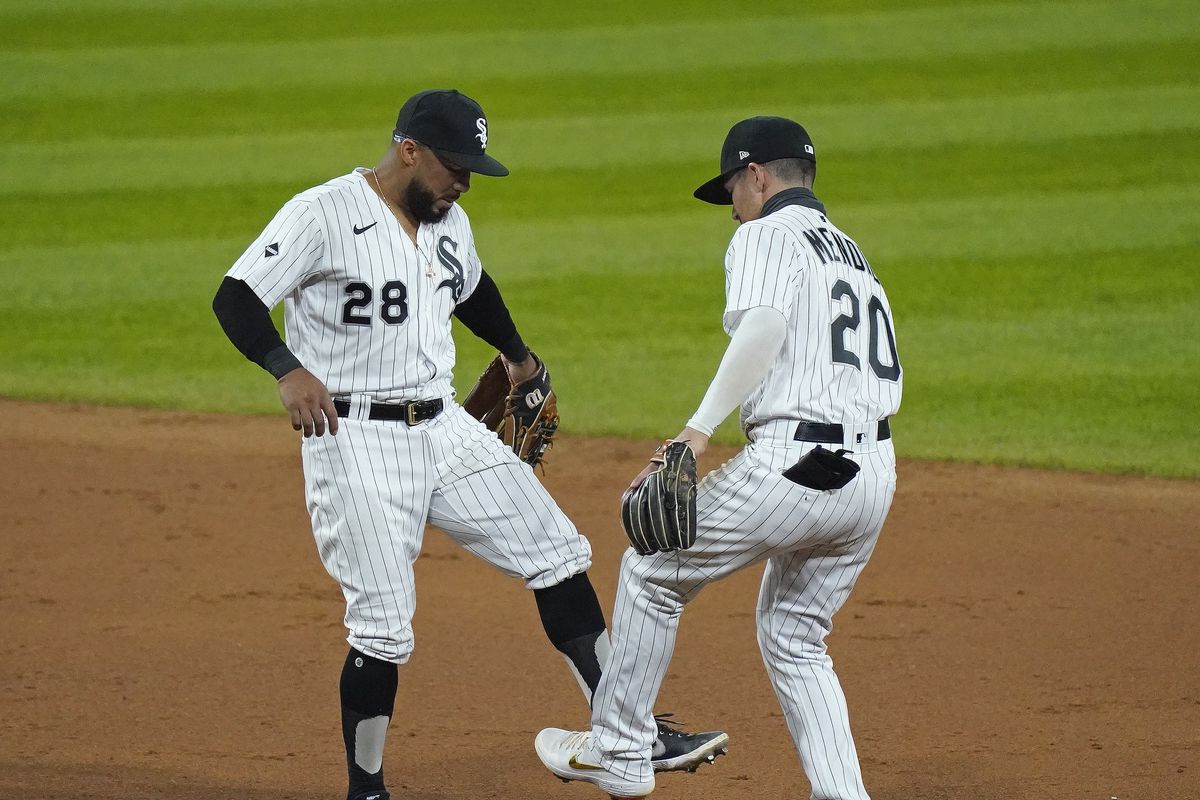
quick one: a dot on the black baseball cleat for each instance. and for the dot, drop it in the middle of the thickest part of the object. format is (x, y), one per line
(678, 750)
(371, 794)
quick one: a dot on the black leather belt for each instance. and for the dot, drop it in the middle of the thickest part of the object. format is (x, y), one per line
(831, 433)
(412, 413)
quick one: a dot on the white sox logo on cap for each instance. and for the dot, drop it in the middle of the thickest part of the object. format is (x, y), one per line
(446, 121)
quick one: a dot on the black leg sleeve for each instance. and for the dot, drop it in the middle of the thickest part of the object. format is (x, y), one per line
(368, 692)
(573, 621)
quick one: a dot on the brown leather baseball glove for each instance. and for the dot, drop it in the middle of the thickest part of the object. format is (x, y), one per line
(524, 415)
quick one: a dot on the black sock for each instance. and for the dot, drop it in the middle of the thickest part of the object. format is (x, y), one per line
(368, 689)
(574, 623)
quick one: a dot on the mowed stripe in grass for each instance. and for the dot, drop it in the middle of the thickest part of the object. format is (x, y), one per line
(1037, 360)
(1042, 226)
(66, 24)
(891, 177)
(611, 49)
(369, 102)
(604, 140)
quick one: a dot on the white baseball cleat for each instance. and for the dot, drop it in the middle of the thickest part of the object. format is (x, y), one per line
(569, 755)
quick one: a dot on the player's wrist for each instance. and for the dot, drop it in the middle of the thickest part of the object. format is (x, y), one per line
(281, 361)
(694, 438)
(522, 370)
(514, 349)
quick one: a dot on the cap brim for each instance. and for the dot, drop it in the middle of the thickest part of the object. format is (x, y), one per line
(714, 191)
(480, 163)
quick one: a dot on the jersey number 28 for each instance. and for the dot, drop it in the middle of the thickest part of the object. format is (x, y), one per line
(393, 311)
(877, 317)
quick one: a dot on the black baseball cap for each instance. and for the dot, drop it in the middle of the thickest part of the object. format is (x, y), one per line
(757, 139)
(450, 124)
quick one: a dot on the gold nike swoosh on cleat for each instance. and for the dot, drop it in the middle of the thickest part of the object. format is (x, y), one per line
(573, 764)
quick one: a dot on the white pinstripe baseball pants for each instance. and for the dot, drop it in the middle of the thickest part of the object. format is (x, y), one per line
(815, 544)
(371, 489)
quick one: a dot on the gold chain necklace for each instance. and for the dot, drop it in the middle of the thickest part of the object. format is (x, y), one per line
(396, 212)
(382, 193)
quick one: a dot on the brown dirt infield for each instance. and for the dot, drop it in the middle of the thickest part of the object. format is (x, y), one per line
(168, 632)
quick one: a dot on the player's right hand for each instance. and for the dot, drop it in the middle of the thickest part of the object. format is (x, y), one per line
(308, 403)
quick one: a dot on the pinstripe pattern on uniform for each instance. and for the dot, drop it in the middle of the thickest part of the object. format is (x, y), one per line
(320, 256)
(371, 488)
(747, 513)
(815, 543)
(801, 591)
(772, 262)
(492, 504)
(369, 533)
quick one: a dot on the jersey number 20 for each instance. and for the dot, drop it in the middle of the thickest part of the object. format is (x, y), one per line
(877, 317)
(393, 311)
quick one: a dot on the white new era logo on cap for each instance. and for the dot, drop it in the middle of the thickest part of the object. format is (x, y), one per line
(808, 149)
(743, 154)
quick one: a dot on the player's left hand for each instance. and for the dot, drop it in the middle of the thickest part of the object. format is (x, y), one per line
(695, 439)
(515, 399)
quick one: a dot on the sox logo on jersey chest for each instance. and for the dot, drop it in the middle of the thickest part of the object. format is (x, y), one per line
(446, 248)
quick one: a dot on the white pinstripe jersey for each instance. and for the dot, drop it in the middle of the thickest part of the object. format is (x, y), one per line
(366, 310)
(839, 361)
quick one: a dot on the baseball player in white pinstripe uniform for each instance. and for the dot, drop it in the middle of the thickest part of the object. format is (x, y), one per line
(813, 363)
(371, 266)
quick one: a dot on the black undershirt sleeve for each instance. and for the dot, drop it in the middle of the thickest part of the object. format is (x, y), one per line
(486, 316)
(246, 320)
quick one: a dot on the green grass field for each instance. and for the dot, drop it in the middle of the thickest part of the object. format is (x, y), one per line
(1023, 176)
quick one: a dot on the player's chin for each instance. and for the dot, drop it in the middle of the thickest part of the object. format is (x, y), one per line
(435, 213)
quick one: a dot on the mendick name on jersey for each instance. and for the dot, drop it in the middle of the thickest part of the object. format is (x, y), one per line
(834, 246)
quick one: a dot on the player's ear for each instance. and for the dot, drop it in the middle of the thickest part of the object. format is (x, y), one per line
(758, 173)
(408, 152)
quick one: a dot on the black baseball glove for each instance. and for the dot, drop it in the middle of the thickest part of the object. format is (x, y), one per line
(523, 415)
(659, 515)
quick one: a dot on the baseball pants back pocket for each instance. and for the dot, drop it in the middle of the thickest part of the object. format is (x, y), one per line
(823, 470)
